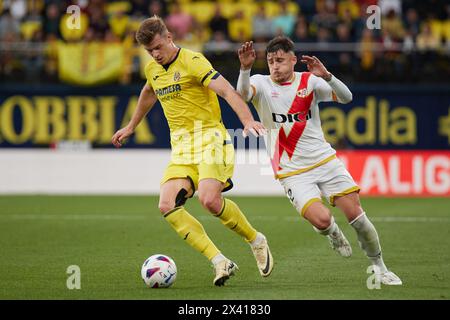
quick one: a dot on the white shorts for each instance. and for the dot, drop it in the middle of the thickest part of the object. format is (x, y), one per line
(329, 180)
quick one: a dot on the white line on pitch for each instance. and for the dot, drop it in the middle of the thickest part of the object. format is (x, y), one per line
(63, 216)
(123, 217)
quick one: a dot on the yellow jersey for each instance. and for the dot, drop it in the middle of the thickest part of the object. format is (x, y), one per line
(181, 88)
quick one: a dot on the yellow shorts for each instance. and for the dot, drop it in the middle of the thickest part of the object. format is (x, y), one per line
(221, 171)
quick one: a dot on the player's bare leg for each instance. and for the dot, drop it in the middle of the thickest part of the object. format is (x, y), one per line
(174, 194)
(169, 192)
(367, 235)
(323, 223)
(210, 195)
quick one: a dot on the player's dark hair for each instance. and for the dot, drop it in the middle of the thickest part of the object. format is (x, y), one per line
(149, 28)
(280, 43)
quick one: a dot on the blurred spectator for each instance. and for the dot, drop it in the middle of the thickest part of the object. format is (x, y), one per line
(51, 20)
(218, 43)
(301, 33)
(98, 23)
(412, 24)
(118, 23)
(426, 40)
(392, 26)
(262, 25)
(240, 27)
(219, 23)
(18, 9)
(9, 27)
(324, 47)
(284, 22)
(34, 61)
(348, 7)
(325, 16)
(345, 59)
(31, 24)
(179, 23)
(343, 33)
(156, 8)
(367, 51)
(387, 6)
(349, 21)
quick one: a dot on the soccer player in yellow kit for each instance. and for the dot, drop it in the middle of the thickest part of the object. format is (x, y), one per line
(202, 159)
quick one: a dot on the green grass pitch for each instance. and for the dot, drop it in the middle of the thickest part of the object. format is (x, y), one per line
(109, 237)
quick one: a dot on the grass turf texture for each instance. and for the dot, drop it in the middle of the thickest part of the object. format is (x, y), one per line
(110, 237)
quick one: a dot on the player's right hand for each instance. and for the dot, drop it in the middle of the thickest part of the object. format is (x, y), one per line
(120, 136)
(254, 127)
(247, 55)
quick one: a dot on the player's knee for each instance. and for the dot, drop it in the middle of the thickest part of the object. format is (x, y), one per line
(323, 221)
(165, 206)
(318, 215)
(211, 203)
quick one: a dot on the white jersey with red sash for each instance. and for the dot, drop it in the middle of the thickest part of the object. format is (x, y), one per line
(290, 111)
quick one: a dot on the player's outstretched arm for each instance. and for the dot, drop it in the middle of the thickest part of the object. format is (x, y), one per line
(333, 84)
(146, 101)
(247, 56)
(224, 89)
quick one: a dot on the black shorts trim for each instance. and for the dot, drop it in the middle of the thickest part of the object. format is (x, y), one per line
(229, 187)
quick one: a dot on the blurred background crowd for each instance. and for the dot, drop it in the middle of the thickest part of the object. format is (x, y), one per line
(412, 44)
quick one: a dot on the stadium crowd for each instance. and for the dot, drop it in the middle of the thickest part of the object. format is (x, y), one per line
(412, 42)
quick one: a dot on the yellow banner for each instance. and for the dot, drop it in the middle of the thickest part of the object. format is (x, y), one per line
(90, 63)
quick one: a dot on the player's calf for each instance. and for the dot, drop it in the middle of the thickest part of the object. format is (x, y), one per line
(323, 223)
(370, 244)
(338, 241)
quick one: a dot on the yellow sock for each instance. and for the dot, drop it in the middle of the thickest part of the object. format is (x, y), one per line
(232, 217)
(191, 230)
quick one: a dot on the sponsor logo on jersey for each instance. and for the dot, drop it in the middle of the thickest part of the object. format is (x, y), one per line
(302, 93)
(290, 118)
(169, 89)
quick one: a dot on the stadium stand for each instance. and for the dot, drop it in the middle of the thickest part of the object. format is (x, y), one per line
(412, 45)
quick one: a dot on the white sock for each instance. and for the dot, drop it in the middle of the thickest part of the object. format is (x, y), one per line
(218, 258)
(259, 237)
(368, 240)
(331, 229)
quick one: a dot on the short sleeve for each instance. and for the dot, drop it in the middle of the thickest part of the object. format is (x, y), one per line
(201, 69)
(147, 73)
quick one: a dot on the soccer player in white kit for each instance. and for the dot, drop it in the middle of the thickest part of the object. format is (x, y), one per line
(305, 164)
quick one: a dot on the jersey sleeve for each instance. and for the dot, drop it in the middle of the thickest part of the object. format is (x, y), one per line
(147, 72)
(201, 69)
(322, 89)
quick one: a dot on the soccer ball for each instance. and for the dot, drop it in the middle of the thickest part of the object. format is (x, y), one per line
(159, 271)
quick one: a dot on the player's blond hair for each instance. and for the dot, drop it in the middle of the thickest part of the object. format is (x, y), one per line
(149, 28)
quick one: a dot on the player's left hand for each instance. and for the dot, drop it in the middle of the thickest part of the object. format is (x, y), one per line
(316, 67)
(120, 136)
(255, 127)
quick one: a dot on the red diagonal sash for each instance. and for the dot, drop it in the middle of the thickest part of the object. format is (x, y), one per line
(300, 106)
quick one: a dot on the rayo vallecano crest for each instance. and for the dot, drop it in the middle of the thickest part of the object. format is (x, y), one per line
(176, 76)
(302, 93)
